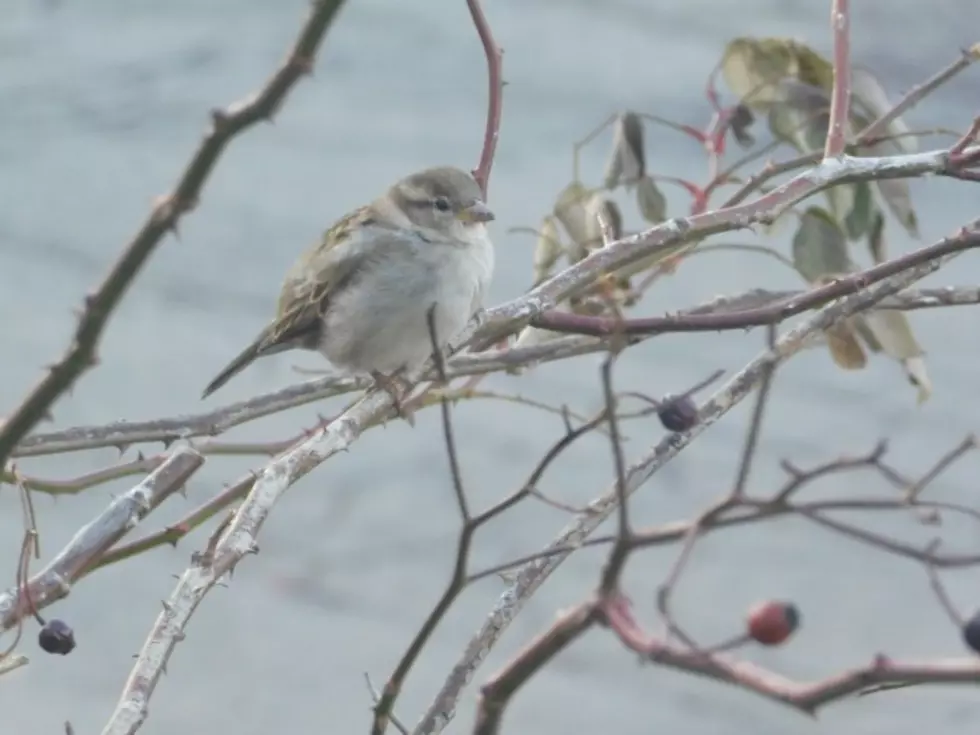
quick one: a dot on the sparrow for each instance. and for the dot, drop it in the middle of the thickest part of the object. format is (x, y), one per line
(362, 295)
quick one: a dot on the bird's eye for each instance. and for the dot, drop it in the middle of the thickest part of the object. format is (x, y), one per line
(442, 204)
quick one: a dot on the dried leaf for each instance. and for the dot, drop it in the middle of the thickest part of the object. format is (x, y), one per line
(740, 122)
(651, 201)
(602, 209)
(627, 162)
(548, 249)
(865, 333)
(819, 246)
(892, 331)
(915, 370)
(845, 349)
(570, 209)
(530, 336)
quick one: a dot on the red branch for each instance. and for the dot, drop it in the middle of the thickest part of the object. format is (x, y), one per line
(840, 100)
(496, 87)
(562, 321)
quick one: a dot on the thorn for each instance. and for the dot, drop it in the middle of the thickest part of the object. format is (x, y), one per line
(121, 447)
(219, 120)
(167, 607)
(179, 636)
(140, 457)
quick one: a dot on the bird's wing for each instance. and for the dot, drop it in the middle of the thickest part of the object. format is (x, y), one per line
(322, 271)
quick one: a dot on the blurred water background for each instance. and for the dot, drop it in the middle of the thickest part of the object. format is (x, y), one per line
(101, 104)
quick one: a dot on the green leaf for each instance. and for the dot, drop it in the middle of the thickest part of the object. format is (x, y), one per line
(896, 193)
(548, 249)
(651, 201)
(800, 116)
(898, 199)
(753, 67)
(871, 102)
(819, 246)
(876, 238)
(860, 217)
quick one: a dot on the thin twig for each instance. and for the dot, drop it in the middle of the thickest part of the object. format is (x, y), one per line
(755, 427)
(621, 549)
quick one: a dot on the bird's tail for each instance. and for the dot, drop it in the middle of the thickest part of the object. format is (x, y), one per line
(258, 348)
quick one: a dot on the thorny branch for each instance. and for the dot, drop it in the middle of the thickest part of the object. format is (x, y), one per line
(883, 286)
(93, 540)
(495, 84)
(99, 305)
(122, 434)
(530, 576)
(612, 609)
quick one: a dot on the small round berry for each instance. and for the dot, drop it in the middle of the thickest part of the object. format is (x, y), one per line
(57, 637)
(771, 623)
(677, 413)
(971, 632)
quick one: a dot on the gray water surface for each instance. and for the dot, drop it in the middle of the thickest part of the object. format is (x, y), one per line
(101, 103)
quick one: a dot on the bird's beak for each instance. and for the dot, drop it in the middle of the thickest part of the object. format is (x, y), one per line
(476, 212)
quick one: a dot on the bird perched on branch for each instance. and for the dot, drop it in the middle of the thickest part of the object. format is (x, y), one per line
(362, 295)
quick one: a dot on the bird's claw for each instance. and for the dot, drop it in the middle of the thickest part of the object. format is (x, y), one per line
(390, 385)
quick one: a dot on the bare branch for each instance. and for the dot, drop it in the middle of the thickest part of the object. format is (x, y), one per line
(529, 577)
(123, 514)
(840, 97)
(99, 305)
(495, 94)
(772, 313)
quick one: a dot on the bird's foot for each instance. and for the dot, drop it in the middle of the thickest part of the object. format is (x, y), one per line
(398, 389)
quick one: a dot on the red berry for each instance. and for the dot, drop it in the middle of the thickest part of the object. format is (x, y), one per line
(771, 623)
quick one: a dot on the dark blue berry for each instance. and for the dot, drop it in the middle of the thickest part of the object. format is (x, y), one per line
(57, 637)
(971, 632)
(677, 413)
